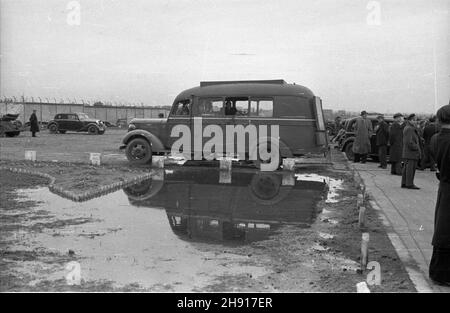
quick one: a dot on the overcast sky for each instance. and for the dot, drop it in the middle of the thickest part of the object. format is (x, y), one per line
(149, 51)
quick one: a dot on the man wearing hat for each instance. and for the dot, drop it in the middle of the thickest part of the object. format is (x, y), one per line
(440, 149)
(411, 152)
(363, 131)
(396, 144)
(382, 138)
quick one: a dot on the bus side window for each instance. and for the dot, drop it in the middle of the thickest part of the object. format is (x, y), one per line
(261, 108)
(210, 107)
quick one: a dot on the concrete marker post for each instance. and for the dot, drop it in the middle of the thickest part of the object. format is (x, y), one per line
(288, 179)
(224, 177)
(362, 217)
(362, 287)
(158, 161)
(360, 200)
(30, 155)
(158, 175)
(95, 159)
(225, 164)
(364, 250)
(288, 164)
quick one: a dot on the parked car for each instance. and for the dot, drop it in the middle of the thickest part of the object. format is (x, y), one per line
(347, 136)
(294, 108)
(109, 124)
(122, 123)
(10, 126)
(78, 122)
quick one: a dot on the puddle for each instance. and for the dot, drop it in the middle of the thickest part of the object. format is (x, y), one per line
(334, 185)
(170, 232)
(325, 236)
(319, 247)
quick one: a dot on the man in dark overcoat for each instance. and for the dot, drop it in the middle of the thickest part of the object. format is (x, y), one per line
(34, 124)
(430, 129)
(440, 149)
(382, 139)
(396, 144)
(411, 152)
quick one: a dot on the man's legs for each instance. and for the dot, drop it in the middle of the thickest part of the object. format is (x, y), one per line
(428, 159)
(425, 159)
(404, 175)
(33, 134)
(382, 152)
(357, 157)
(410, 171)
(364, 158)
(393, 168)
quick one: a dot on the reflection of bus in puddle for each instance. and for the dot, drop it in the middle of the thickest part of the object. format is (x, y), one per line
(247, 208)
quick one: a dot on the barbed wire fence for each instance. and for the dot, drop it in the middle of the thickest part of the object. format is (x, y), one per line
(46, 108)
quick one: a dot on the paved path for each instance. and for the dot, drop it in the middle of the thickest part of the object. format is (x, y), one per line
(409, 216)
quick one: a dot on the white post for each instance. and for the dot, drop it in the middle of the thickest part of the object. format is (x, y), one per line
(362, 287)
(158, 161)
(288, 179)
(30, 155)
(224, 177)
(225, 164)
(158, 174)
(95, 159)
(288, 164)
(360, 200)
(364, 250)
(362, 216)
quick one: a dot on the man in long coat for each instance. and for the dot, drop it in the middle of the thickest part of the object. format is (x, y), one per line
(382, 139)
(411, 152)
(396, 144)
(34, 125)
(440, 148)
(363, 131)
(428, 132)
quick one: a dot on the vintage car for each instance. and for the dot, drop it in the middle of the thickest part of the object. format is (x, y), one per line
(294, 109)
(10, 126)
(347, 136)
(77, 122)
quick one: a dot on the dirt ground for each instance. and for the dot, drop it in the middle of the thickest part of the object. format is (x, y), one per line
(323, 257)
(69, 147)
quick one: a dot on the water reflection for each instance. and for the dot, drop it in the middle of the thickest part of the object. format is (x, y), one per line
(205, 204)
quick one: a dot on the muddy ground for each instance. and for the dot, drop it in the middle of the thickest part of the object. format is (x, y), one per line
(124, 247)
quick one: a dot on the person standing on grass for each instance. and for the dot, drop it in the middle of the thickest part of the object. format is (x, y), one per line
(363, 131)
(428, 132)
(382, 131)
(396, 144)
(34, 125)
(439, 270)
(411, 152)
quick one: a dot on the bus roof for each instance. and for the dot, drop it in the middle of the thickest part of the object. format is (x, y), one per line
(263, 88)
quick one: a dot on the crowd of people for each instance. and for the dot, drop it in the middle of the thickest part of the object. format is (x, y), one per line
(408, 141)
(416, 145)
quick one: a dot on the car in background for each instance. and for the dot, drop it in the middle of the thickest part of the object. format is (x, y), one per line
(10, 126)
(347, 136)
(293, 108)
(76, 122)
(122, 123)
